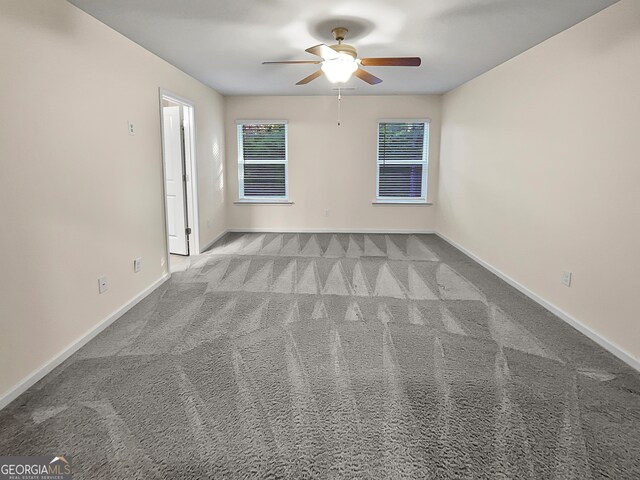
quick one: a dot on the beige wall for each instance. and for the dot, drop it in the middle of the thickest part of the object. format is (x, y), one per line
(540, 167)
(331, 167)
(81, 198)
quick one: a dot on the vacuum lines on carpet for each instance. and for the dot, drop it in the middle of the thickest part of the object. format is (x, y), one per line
(335, 356)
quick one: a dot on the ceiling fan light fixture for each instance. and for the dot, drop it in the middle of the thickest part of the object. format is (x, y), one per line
(340, 61)
(339, 70)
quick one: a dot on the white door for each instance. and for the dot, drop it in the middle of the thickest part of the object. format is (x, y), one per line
(174, 178)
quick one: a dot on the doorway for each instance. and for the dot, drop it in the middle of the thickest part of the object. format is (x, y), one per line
(177, 118)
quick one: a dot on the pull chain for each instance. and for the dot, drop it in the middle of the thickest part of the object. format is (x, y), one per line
(339, 105)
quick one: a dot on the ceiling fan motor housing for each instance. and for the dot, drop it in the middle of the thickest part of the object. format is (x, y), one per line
(346, 49)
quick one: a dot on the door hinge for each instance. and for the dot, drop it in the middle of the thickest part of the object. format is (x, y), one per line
(187, 230)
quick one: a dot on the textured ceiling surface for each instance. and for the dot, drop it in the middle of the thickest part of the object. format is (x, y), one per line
(222, 43)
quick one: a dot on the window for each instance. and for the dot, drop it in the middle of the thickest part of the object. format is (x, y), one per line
(262, 160)
(403, 147)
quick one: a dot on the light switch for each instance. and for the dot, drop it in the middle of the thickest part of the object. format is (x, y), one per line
(103, 284)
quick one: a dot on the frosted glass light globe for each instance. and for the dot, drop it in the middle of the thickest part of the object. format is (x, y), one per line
(339, 70)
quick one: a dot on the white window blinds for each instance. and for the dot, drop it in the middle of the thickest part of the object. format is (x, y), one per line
(402, 160)
(262, 160)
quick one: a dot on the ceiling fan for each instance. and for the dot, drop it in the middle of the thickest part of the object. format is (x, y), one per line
(340, 61)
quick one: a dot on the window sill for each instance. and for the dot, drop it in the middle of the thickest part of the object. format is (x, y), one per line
(263, 202)
(410, 204)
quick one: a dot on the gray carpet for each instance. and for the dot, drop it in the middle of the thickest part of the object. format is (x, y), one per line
(335, 356)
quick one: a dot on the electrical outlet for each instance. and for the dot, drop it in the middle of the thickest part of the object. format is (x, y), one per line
(137, 265)
(326, 212)
(566, 278)
(103, 284)
(132, 128)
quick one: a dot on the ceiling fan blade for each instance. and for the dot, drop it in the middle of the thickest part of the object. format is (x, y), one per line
(323, 51)
(391, 62)
(313, 76)
(294, 62)
(367, 77)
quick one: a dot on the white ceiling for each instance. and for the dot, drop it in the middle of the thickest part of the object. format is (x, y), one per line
(223, 42)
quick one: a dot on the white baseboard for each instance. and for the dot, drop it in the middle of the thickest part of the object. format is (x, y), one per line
(608, 345)
(44, 369)
(329, 230)
(216, 238)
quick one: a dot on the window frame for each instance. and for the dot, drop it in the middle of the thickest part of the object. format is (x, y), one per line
(424, 162)
(242, 198)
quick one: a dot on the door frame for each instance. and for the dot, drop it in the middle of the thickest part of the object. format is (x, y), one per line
(191, 183)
